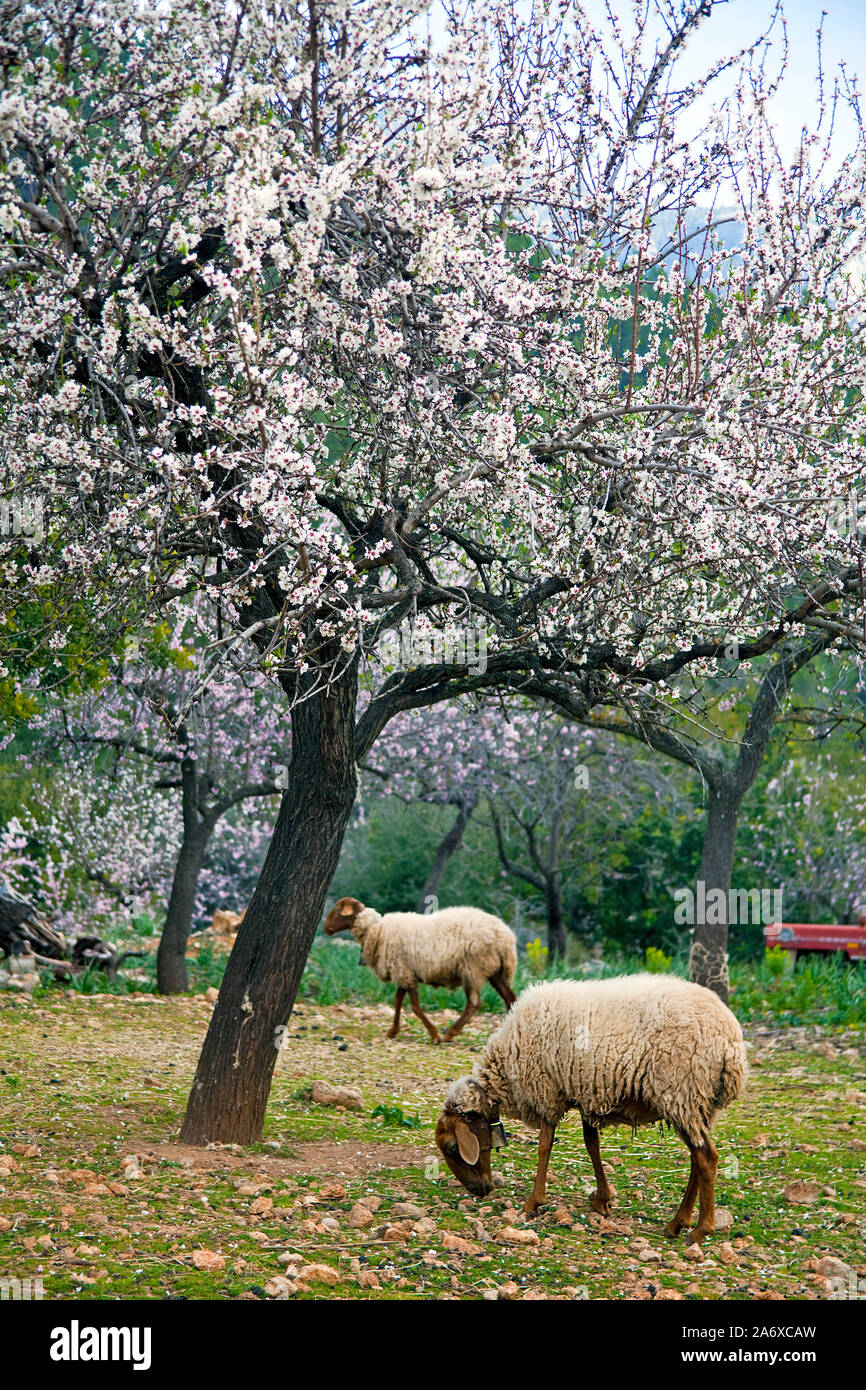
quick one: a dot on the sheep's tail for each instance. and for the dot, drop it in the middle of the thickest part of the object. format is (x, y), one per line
(734, 1073)
(508, 965)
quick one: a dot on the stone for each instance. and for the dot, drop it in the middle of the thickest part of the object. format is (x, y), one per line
(727, 1253)
(518, 1235)
(647, 1254)
(280, 1287)
(802, 1194)
(368, 1279)
(360, 1216)
(324, 1093)
(208, 1260)
(319, 1274)
(509, 1291)
(211, 994)
(724, 1220)
(458, 1246)
(333, 1191)
(408, 1209)
(262, 1206)
(829, 1267)
(693, 1252)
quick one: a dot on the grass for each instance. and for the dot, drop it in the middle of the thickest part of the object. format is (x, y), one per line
(88, 1079)
(821, 989)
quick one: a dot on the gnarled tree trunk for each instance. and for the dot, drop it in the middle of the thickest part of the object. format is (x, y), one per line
(230, 1091)
(708, 957)
(171, 972)
(449, 843)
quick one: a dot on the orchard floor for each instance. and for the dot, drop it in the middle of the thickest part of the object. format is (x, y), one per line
(87, 1081)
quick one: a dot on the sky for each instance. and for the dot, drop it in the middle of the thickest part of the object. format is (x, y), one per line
(736, 24)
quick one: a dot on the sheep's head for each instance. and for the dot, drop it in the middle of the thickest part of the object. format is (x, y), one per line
(463, 1136)
(342, 916)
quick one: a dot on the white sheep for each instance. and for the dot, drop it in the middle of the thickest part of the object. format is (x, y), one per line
(632, 1050)
(455, 946)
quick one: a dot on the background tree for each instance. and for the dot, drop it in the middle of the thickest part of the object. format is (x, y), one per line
(329, 325)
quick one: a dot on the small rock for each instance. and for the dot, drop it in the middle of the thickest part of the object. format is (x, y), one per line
(280, 1287)
(211, 994)
(262, 1206)
(208, 1260)
(26, 1150)
(831, 1268)
(563, 1217)
(727, 1253)
(368, 1279)
(324, 1093)
(514, 1235)
(333, 1191)
(693, 1252)
(724, 1220)
(802, 1194)
(647, 1254)
(490, 1295)
(360, 1216)
(319, 1274)
(458, 1246)
(509, 1291)
(87, 1252)
(408, 1209)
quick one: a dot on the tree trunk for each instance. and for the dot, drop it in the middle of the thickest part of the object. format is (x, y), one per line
(708, 958)
(555, 925)
(233, 1080)
(447, 845)
(171, 974)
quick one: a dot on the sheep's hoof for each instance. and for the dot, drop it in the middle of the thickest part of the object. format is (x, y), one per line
(600, 1204)
(674, 1227)
(435, 1038)
(391, 1033)
(698, 1234)
(531, 1208)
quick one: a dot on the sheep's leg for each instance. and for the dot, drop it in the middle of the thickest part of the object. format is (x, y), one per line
(707, 1161)
(419, 1013)
(503, 989)
(537, 1195)
(683, 1216)
(473, 999)
(600, 1200)
(398, 1004)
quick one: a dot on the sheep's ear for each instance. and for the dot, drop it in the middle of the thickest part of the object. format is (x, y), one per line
(467, 1143)
(347, 910)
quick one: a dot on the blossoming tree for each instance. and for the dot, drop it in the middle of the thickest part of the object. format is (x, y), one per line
(338, 314)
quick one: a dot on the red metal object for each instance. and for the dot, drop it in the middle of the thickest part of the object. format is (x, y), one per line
(819, 936)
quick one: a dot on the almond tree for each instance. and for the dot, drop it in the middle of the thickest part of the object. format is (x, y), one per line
(192, 772)
(331, 315)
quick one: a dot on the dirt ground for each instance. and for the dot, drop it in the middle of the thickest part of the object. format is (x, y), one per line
(99, 1201)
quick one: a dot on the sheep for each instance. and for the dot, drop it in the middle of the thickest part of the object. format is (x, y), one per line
(632, 1050)
(455, 946)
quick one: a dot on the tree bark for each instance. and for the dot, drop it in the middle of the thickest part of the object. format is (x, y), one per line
(555, 925)
(230, 1091)
(171, 972)
(449, 843)
(708, 957)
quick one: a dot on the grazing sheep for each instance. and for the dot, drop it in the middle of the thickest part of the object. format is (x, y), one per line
(456, 946)
(633, 1050)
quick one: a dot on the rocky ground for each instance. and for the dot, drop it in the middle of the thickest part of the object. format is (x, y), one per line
(99, 1201)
